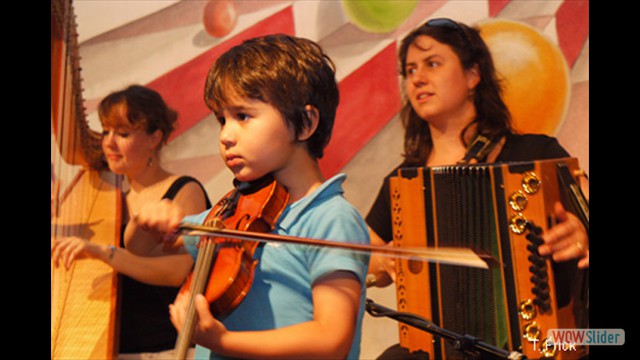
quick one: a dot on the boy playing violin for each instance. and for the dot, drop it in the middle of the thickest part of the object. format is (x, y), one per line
(275, 98)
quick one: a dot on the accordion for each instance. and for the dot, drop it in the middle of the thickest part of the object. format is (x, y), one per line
(500, 210)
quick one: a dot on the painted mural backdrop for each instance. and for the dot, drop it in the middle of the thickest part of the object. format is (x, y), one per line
(541, 48)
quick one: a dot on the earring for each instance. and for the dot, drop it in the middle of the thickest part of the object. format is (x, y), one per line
(150, 162)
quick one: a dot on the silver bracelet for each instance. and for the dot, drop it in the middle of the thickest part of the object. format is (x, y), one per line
(112, 252)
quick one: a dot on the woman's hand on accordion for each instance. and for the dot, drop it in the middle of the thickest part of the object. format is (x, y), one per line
(382, 269)
(566, 240)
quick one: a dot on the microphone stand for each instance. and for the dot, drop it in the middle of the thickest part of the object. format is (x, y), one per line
(465, 343)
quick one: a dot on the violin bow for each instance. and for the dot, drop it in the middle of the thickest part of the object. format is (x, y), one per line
(444, 255)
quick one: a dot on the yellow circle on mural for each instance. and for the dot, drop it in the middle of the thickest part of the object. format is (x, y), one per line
(534, 74)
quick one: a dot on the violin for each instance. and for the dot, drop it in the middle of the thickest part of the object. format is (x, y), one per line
(224, 269)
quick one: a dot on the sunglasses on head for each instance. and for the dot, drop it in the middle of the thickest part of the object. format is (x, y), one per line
(450, 24)
(444, 22)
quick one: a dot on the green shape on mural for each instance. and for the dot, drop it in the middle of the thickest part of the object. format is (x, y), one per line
(378, 16)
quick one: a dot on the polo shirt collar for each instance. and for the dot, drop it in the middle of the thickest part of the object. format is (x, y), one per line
(292, 212)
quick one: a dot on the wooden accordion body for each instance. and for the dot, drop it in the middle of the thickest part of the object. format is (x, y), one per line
(85, 203)
(486, 208)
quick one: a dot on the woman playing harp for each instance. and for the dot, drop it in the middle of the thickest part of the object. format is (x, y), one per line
(136, 123)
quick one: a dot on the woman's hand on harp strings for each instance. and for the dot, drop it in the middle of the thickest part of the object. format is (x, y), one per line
(566, 240)
(69, 249)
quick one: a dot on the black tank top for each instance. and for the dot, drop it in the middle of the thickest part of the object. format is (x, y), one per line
(144, 316)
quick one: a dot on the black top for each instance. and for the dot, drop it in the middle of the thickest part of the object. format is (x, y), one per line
(529, 147)
(144, 316)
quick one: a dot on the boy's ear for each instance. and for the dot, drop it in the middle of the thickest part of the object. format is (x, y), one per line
(313, 115)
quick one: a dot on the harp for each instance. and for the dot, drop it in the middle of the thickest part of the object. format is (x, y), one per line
(499, 209)
(85, 202)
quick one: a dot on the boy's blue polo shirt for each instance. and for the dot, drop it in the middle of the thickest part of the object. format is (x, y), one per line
(281, 293)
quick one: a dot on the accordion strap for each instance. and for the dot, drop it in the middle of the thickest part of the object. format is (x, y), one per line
(479, 149)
